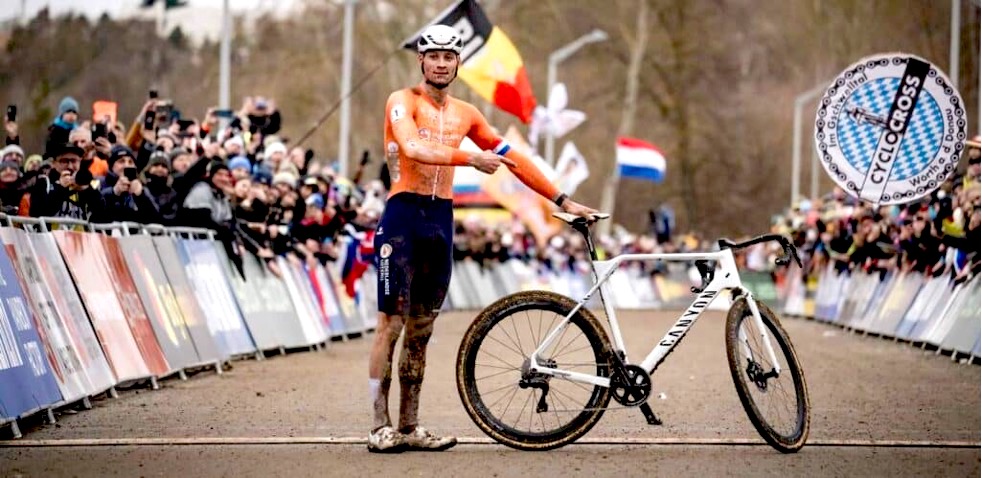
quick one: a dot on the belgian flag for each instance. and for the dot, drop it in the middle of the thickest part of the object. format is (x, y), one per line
(490, 64)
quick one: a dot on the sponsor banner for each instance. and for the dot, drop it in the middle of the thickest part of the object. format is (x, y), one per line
(830, 293)
(309, 323)
(136, 314)
(337, 324)
(318, 321)
(357, 316)
(86, 260)
(890, 129)
(964, 319)
(207, 277)
(194, 317)
(921, 314)
(68, 304)
(368, 312)
(898, 299)
(159, 301)
(276, 298)
(66, 365)
(262, 320)
(25, 372)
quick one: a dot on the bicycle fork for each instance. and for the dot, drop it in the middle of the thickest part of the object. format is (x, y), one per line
(765, 338)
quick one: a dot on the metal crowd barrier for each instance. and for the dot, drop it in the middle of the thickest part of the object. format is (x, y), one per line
(931, 313)
(86, 308)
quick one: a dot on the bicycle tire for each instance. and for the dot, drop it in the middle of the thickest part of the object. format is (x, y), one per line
(789, 443)
(467, 382)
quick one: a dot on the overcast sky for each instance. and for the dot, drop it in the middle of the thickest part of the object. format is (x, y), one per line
(200, 17)
(94, 8)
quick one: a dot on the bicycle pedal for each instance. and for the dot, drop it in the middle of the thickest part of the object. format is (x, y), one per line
(649, 415)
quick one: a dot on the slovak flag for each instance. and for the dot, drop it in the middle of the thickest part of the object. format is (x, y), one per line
(640, 160)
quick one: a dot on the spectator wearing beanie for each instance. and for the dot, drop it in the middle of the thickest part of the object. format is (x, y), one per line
(65, 191)
(63, 124)
(180, 161)
(11, 188)
(124, 196)
(13, 153)
(274, 154)
(159, 190)
(240, 167)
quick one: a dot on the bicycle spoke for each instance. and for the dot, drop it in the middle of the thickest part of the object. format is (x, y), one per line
(498, 367)
(493, 375)
(512, 340)
(496, 358)
(535, 344)
(585, 347)
(501, 388)
(522, 411)
(503, 397)
(506, 346)
(522, 349)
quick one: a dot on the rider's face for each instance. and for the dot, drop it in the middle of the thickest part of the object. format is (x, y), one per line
(439, 67)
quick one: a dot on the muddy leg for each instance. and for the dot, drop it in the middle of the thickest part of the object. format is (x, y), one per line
(412, 362)
(380, 366)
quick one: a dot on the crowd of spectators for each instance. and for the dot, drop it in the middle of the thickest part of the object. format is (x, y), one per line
(936, 235)
(230, 171)
(234, 173)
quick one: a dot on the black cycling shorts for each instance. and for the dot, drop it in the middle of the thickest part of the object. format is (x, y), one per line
(414, 254)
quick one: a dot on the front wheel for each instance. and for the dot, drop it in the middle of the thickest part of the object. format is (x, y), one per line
(777, 403)
(525, 410)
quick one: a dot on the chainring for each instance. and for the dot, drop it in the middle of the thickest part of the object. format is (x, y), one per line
(631, 387)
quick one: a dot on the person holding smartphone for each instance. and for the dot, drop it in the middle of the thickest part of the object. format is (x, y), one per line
(65, 190)
(123, 190)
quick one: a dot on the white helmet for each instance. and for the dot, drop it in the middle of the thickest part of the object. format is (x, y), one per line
(440, 37)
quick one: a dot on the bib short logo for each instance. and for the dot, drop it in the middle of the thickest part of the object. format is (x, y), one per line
(890, 129)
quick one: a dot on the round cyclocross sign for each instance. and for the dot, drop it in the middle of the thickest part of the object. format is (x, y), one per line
(890, 129)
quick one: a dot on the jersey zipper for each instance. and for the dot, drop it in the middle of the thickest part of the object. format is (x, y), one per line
(436, 177)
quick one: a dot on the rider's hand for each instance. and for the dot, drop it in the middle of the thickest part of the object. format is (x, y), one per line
(488, 162)
(572, 207)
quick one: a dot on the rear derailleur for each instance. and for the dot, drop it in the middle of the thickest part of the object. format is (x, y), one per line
(537, 380)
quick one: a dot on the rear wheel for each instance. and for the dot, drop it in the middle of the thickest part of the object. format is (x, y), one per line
(777, 404)
(524, 410)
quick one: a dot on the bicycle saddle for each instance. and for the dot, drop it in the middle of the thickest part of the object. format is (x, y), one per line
(574, 219)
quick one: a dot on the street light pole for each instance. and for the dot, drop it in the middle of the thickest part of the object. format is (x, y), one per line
(555, 59)
(954, 46)
(799, 105)
(224, 61)
(348, 46)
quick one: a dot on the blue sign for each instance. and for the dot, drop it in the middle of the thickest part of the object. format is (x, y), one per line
(26, 381)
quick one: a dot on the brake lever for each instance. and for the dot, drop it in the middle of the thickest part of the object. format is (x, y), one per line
(790, 252)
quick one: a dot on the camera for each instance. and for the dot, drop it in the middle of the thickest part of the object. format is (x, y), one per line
(11, 113)
(130, 173)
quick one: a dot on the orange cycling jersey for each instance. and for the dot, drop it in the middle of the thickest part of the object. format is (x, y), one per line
(422, 144)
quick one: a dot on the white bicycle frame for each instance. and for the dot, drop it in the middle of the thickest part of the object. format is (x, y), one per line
(725, 278)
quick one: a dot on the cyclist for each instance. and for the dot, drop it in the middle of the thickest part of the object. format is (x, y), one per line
(424, 127)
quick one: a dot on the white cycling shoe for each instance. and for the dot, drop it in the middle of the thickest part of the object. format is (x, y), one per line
(386, 440)
(422, 439)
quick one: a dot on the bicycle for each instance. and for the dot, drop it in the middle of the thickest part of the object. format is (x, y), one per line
(600, 370)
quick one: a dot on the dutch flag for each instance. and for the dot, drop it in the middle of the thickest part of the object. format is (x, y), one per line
(638, 159)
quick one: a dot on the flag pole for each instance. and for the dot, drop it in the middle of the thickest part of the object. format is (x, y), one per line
(609, 198)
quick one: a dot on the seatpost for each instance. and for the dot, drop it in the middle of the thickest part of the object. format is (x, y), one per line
(584, 229)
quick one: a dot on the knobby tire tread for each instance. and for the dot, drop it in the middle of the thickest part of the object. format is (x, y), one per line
(734, 318)
(500, 310)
